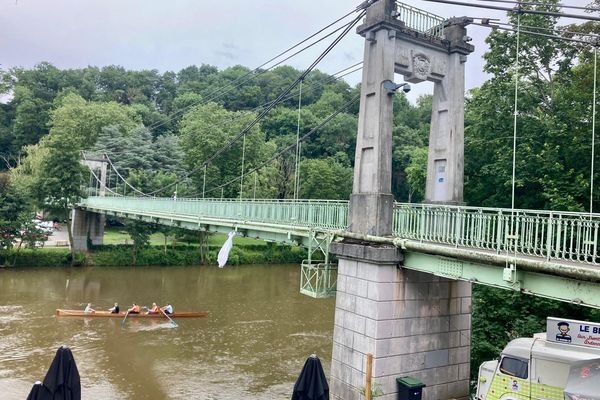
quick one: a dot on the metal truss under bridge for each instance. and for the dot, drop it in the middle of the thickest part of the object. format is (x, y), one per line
(545, 253)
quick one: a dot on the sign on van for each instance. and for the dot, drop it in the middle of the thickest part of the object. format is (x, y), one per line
(570, 331)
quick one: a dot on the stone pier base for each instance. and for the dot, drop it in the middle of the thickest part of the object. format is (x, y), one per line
(84, 225)
(415, 324)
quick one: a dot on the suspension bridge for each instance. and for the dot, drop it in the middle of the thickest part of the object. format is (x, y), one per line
(404, 274)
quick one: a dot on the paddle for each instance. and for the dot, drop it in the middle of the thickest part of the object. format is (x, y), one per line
(166, 315)
(123, 322)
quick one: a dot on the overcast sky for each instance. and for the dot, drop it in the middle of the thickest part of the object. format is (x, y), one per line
(172, 34)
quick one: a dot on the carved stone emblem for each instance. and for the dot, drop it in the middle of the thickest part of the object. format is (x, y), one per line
(421, 66)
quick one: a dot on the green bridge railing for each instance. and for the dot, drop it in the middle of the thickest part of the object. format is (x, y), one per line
(551, 235)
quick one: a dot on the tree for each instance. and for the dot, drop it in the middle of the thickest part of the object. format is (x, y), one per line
(59, 181)
(81, 122)
(140, 234)
(15, 211)
(205, 130)
(550, 141)
(328, 178)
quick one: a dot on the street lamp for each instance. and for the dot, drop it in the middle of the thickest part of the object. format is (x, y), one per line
(392, 87)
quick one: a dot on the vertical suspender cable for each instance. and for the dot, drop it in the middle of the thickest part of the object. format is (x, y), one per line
(593, 133)
(512, 204)
(255, 181)
(243, 159)
(204, 182)
(296, 172)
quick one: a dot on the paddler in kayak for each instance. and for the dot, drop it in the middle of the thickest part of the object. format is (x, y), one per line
(168, 309)
(154, 309)
(135, 309)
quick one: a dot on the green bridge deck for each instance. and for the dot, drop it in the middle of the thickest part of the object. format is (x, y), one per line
(545, 253)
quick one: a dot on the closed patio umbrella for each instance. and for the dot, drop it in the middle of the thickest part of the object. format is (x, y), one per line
(39, 392)
(311, 384)
(62, 379)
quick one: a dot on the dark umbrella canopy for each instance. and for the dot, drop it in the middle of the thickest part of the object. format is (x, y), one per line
(39, 392)
(311, 384)
(62, 379)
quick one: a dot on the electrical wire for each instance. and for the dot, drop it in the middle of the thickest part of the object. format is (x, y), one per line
(528, 3)
(555, 37)
(516, 10)
(557, 30)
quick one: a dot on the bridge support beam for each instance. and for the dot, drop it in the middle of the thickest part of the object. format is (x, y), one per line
(415, 324)
(87, 227)
(412, 322)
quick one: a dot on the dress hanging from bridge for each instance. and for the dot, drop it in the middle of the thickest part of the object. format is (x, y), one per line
(224, 252)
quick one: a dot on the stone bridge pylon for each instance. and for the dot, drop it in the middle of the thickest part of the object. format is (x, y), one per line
(414, 324)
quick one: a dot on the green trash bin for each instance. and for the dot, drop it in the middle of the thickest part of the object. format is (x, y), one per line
(409, 388)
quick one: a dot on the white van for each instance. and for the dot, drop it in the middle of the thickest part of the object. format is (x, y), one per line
(562, 364)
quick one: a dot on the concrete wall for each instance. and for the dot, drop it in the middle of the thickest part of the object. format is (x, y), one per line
(86, 224)
(414, 324)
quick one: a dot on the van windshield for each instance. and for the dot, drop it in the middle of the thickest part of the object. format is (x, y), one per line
(514, 367)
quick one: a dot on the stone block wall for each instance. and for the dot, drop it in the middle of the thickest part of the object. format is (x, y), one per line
(415, 324)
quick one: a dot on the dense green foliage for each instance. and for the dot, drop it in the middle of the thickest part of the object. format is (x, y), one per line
(121, 255)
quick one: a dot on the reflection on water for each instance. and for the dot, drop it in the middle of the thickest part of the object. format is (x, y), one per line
(252, 346)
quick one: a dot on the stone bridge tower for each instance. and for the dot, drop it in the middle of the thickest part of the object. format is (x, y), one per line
(414, 324)
(88, 227)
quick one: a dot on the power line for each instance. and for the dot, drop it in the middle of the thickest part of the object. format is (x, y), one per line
(527, 3)
(555, 37)
(486, 22)
(516, 10)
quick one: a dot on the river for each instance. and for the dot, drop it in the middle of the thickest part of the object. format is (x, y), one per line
(252, 346)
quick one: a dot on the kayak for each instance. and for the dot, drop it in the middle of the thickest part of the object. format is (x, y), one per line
(107, 314)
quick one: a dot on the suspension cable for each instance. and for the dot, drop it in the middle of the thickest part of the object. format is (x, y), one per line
(519, 10)
(593, 132)
(545, 35)
(291, 146)
(215, 94)
(513, 234)
(204, 182)
(288, 89)
(242, 174)
(278, 99)
(515, 114)
(122, 178)
(528, 3)
(296, 172)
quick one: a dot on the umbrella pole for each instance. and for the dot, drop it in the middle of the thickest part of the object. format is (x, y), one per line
(369, 375)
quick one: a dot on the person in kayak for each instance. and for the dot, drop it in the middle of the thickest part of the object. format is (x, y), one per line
(168, 309)
(114, 309)
(89, 309)
(135, 309)
(154, 309)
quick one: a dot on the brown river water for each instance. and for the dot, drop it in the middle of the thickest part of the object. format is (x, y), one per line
(252, 346)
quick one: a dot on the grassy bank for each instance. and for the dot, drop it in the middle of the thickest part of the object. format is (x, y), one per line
(122, 255)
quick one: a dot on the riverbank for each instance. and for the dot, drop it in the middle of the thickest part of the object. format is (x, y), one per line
(179, 255)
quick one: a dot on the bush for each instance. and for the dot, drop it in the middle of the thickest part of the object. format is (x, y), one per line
(40, 258)
(121, 255)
